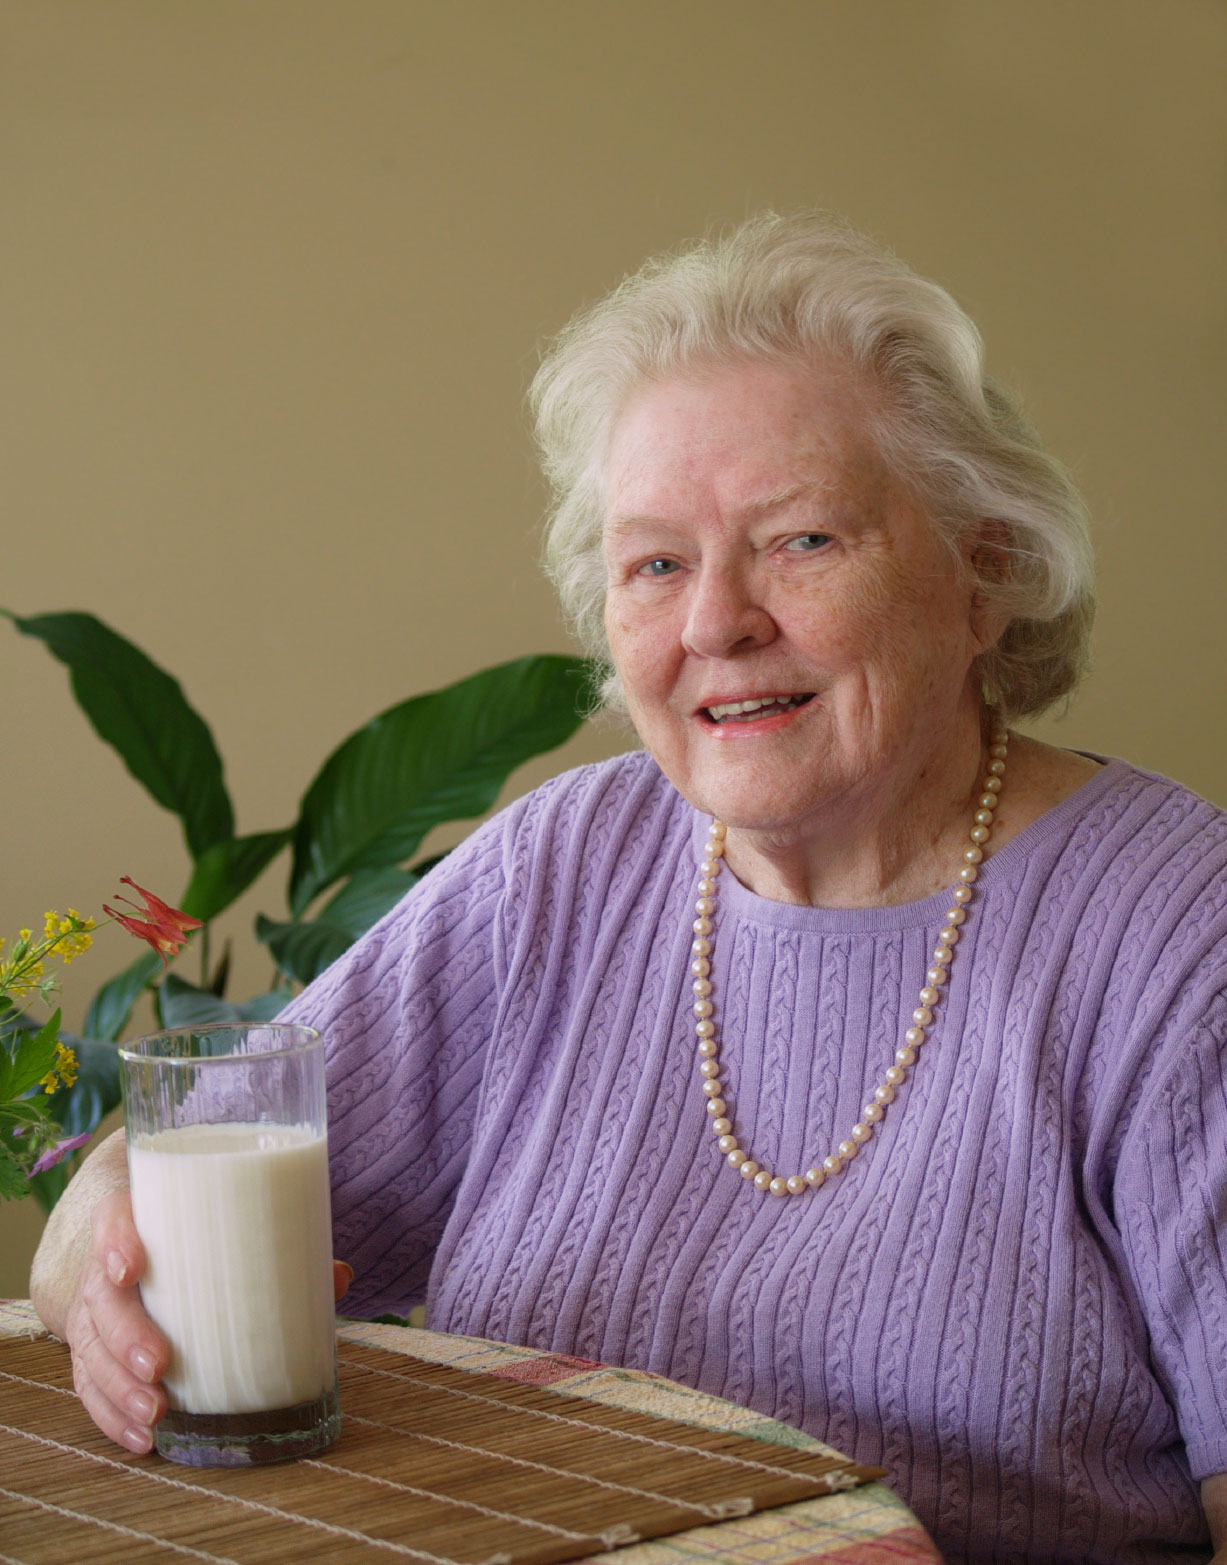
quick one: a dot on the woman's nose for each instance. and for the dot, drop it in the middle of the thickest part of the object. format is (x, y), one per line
(724, 615)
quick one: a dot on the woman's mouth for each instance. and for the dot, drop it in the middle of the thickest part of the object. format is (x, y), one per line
(755, 708)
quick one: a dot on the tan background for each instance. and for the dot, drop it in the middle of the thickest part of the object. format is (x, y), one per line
(273, 274)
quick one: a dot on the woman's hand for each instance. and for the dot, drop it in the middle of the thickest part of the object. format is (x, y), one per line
(118, 1355)
(84, 1287)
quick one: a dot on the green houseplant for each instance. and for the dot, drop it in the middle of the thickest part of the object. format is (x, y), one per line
(432, 759)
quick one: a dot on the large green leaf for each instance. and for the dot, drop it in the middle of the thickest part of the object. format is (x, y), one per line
(184, 1005)
(366, 897)
(111, 1007)
(140, 710)
(438, 757)
(224, 871)
(303, 951)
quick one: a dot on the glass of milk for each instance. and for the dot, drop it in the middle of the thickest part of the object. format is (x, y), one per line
(228, 1158)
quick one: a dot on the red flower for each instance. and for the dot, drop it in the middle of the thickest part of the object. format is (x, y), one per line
(165, 928)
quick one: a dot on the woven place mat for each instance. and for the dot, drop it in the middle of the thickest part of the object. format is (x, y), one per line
(435, 1463)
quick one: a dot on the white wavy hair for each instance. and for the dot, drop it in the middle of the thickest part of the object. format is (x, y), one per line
(801, 290)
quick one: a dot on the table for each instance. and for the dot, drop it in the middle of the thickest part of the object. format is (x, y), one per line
(453, 1451)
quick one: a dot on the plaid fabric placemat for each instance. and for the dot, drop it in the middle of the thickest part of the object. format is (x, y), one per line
(452, 1451)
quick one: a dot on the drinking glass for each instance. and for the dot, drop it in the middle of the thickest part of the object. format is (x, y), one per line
(228, 1159)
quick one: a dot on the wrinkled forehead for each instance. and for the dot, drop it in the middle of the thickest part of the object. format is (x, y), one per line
(742, 440)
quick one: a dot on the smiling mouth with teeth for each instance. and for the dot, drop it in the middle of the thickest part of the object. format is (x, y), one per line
(756, 707)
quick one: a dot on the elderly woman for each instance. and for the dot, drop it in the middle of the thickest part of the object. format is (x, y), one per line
(841, 1052)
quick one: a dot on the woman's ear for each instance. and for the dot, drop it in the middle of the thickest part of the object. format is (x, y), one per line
(986, 554)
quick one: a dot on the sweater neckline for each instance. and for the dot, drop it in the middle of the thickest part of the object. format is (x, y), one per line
(1000, 869)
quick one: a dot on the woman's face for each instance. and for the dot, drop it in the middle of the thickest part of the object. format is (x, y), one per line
(758, 551)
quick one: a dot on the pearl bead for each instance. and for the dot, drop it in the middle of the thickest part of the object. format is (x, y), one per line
(701, 987)
(956, 915)
(936, 976)
(796, 1184)
(969, 872)
(778, 1186)
(716, 1107)
(707, 888)
(982, 817)
(712, 1087)
(709, 1068)
(701, 947)
(702, 1009)
(705, 905)
(992, 785)
(832, 1165)
(884, 1095)
(873, 1113)
(922, 1016)
(762, 1180)
(814, 1177)
(895, 1075)
(943, 955)
(905, 1055)
(995, 768)
(977, 834)
(702, 926)
(748, 1169)
(736, 1159)
(973, 855)
(989, 802)
(705, 1029)
(948, 935)
(929, 996)
(700, 967)
(962, 894)
(861, 1132)
(915, 1036)
(707, 1047)
(722, 1127)
(718, 831)
(847, 1150)
(727, 1143)
(997, 749)
(710, 868)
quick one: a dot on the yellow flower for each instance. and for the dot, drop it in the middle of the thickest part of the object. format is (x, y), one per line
(63, 1069)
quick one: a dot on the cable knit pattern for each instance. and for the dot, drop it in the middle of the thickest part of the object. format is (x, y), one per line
(1014, 1299)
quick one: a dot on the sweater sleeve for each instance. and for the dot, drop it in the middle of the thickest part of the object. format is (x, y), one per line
(405, 1016)
(1171, 1201)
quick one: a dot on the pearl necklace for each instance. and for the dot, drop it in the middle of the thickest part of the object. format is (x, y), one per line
(922, 1017)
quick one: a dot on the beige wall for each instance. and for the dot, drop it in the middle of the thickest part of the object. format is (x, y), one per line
(274, 273)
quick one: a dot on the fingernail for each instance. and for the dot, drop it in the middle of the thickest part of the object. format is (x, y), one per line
(138, 1440)
(142, 1363)
(142, 1405)
(117, 1267)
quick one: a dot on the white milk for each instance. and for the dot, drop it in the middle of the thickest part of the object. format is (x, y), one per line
(235, 1224)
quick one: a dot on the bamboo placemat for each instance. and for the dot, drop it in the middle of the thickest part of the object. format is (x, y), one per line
(456, 1453)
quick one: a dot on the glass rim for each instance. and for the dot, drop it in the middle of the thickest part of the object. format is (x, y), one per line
(139, 1050)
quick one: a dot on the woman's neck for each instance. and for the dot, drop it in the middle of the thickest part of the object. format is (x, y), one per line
(905, 843)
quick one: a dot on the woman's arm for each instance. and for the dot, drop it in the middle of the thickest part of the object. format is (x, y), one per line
(84, 1286)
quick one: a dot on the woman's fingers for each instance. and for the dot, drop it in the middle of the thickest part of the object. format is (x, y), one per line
(342, 1276)
(119, 1355)
(123, 1406)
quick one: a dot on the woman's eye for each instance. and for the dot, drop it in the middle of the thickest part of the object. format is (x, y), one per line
(661, 567)
(807, 543)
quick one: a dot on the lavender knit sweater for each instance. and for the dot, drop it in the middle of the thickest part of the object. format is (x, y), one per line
(1014, 1300)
